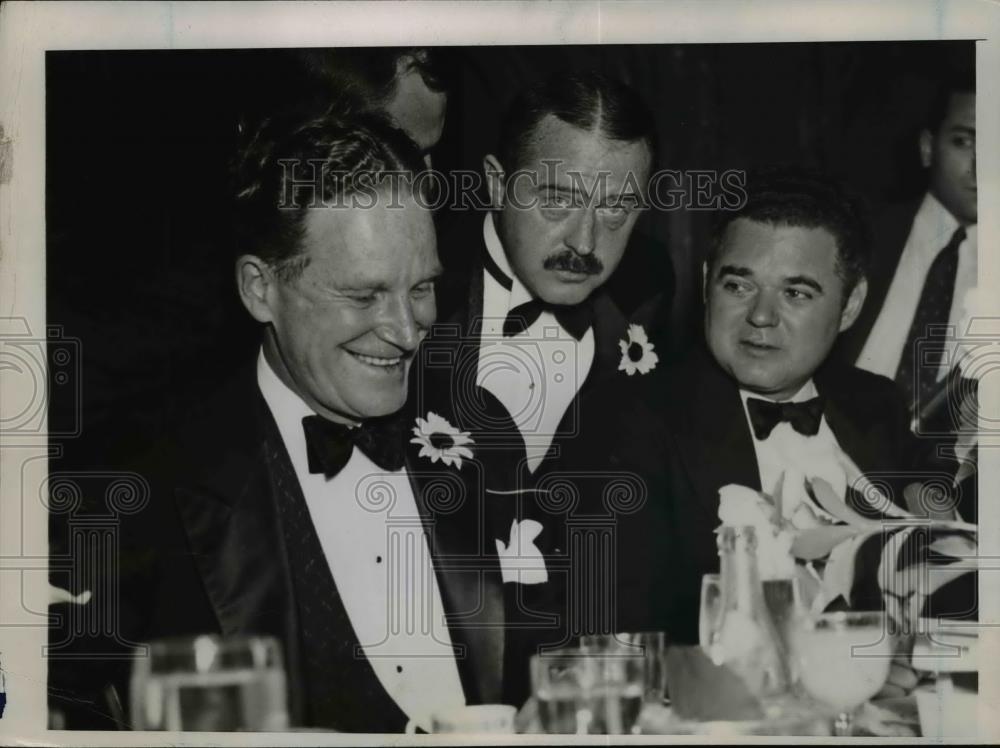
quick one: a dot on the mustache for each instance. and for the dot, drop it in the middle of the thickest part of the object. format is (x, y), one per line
(574, 263)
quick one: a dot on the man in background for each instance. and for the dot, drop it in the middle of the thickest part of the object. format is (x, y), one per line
(526, 327)
(924, 261)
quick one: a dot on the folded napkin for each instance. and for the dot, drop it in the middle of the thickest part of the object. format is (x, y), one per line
(701, 690)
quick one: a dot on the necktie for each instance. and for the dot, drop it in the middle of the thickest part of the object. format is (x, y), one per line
(929, 322)
(804, 417)
(329, 444)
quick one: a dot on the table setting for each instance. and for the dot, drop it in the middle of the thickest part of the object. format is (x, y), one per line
(784, 646)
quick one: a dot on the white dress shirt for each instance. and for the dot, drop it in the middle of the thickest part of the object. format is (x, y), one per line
(536, 373)
(933, 227)
(796, 456)
(379, 558)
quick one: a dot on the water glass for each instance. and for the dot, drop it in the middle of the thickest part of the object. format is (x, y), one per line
(652, 645)
(842, 660)
(582, 692)
(210, 683)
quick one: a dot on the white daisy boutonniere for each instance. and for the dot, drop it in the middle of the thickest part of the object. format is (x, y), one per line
(441, 441)
(637, 352)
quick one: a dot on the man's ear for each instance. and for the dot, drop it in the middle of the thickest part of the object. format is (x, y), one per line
(926, 145)
(253, 281)
(704, 282)
(854, 303)
(494, 180)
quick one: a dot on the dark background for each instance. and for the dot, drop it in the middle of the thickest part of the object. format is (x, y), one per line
(139, 262)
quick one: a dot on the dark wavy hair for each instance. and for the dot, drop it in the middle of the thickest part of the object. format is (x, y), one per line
(289, 164)
(806, 198)
(583, 99)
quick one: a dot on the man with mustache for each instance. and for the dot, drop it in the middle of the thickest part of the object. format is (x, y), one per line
(528, 337)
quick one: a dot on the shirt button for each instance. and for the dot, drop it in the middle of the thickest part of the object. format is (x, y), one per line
(378, 559)
(399, 668)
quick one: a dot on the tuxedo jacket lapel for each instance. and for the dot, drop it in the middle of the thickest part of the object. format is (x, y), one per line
(236, 528)
(232, 526)
(456, 524)
(715, 441)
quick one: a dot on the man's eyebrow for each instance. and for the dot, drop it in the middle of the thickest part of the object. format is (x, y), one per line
(804, 280)
(433, 275)
(362, 285)
(552, 187)
(742, 272)
(965, 129)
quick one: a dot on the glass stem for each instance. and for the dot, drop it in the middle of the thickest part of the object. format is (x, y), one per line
(843, 726)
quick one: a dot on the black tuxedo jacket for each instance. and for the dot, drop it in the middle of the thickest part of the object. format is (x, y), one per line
(591, 512)
(222, 562)
(695, 440)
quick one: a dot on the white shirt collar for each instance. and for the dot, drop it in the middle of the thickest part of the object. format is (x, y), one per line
(806, 392)
(518, 294)
(934, 225)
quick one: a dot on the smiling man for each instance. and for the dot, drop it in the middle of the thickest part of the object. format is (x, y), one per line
(294, 503)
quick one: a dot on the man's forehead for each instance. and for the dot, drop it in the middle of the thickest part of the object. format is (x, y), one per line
(560, 148)
(759, 245)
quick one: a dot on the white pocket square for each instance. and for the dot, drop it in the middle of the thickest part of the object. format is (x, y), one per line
(520, 559)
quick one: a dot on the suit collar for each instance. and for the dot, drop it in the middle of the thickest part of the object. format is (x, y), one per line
(229, 504)
(713, 433)
(452, 506)
(847, 410)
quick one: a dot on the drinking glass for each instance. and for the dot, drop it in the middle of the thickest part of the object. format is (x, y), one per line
(210, 683)
(652, 645)
(842, 660)
(711, 607)
(588, 693)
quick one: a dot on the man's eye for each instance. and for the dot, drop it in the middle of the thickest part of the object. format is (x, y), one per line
(963, 141)
(362, 298)
(423, 290)
(615, 215)
(557, 201)
(735, 286)
(797, 294)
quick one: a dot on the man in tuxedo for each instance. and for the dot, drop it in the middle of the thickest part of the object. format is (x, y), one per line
(760, 405)
(924, 262)
(310, 501)
(526, 324)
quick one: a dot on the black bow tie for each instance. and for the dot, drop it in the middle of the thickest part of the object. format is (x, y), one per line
(329, 444)
(765, 415)
(575, 320)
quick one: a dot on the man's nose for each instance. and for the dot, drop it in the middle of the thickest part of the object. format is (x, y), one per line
(763, 310)
(581, 235)
(399, 326)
